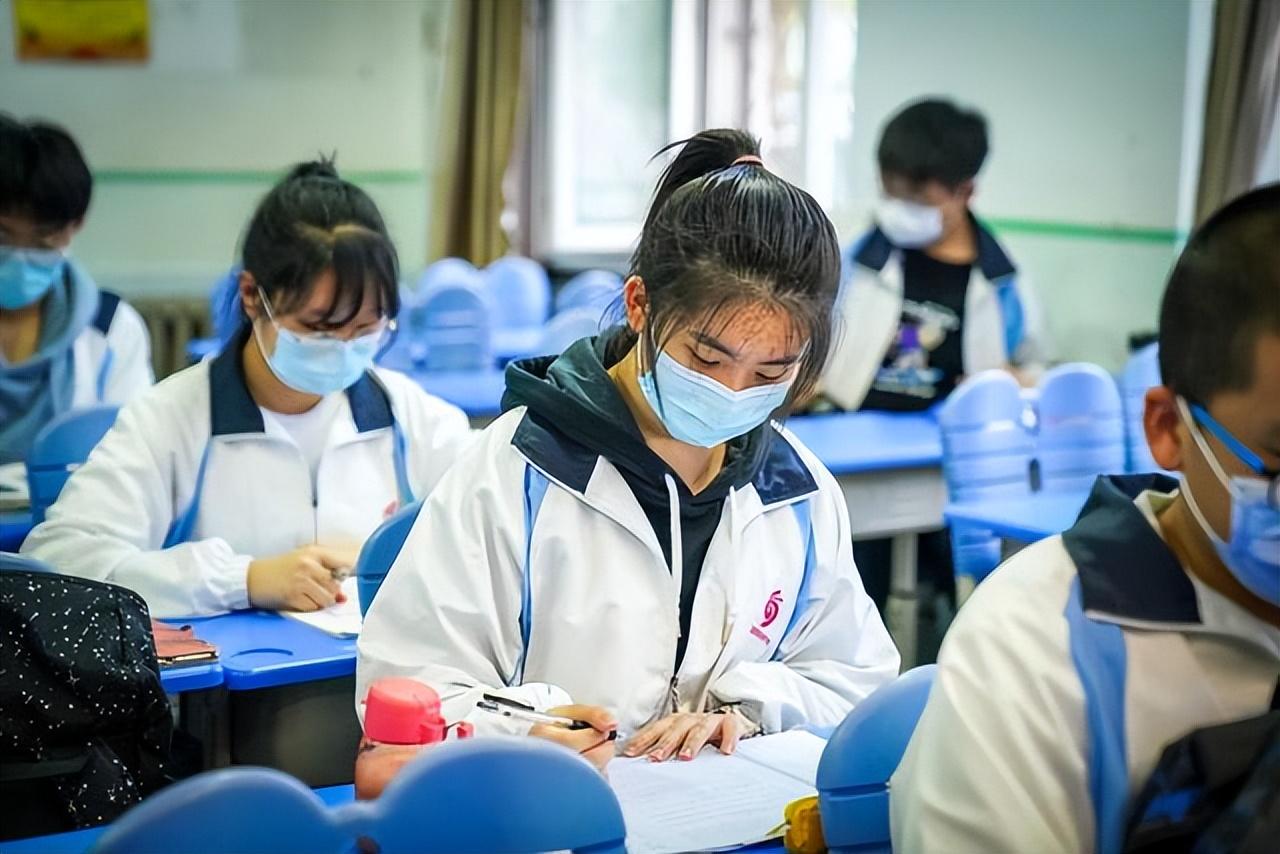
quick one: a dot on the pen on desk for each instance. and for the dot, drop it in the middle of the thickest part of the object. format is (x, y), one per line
(520, 712)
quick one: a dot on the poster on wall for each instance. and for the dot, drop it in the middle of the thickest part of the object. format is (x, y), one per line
(81, 30)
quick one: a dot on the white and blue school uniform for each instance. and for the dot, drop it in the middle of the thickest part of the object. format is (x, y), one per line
(1003, 323)
(195, 481)
(1063, 679)
(93, 349)
(533, 572)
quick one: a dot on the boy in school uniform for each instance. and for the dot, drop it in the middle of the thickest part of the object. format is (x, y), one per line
(1155, 615)
(64, 342)
(928, 294)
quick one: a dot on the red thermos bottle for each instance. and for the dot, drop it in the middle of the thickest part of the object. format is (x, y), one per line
(401, 717)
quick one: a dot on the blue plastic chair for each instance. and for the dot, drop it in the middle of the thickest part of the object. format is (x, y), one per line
(60, 448)
(1080, 427)
(380, 551)
(1140, 373)
(499, 795)
(986, 454)
(568, 327)
(520, 291)
(861, 756)
(224, 309)
(410, 348)
(597, 289)
(456, 333)
(226, 811)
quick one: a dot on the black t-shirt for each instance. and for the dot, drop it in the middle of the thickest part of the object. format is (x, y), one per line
(926, 357)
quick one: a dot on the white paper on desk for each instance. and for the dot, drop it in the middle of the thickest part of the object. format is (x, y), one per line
(714, 801)
(342, 620)
(14, 493)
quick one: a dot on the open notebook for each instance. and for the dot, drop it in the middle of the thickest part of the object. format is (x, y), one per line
(715, 801)
(342, 620)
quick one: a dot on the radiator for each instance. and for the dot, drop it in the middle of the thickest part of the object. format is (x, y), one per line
(172, 322)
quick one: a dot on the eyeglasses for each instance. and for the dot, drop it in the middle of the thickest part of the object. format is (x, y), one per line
(1240, 451)
(384, 329)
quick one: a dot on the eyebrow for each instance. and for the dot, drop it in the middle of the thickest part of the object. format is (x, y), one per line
(708, 341)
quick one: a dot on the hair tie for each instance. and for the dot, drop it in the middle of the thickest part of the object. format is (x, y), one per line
(753, 159)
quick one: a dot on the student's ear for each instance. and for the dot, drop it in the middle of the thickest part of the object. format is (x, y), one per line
(965, 191)
(249, 296)
(636, 301)
(1166, 434)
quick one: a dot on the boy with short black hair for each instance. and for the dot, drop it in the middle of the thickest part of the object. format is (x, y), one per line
(1157, 614)
(929, 295)
(64, 343)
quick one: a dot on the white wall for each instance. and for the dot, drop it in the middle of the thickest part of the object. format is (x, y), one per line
(185, 144)
(1085, 103)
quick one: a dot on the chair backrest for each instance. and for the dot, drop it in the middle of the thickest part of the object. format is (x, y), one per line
(60, 447)
(456, 331)
(567, 327)
(1080, 431)
(379, 552)
(597, 289)
(861, 756)
(986, 449)
(1141, 372)
(520, 292)
(232, 809)
(224, 305)
(499, 795)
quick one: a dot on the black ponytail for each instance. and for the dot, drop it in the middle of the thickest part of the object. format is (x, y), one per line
(723, 233)
(314, 221)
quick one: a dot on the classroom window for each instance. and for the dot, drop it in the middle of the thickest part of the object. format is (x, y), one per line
(624, 77)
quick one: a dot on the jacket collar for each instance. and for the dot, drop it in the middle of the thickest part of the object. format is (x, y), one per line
(1127, 572)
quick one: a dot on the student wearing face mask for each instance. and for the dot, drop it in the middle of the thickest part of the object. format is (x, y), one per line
(64, 342)
(1157, 614)
(928, 295)
(252, 479)
(636, 542)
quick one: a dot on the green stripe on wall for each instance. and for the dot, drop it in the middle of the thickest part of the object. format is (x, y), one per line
(1036, 227)
(1084, 231)
(244, 176)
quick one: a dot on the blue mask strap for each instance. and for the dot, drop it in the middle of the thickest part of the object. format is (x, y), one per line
(1238, 448)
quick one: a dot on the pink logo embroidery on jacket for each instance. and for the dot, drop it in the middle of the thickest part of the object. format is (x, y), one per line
(771, 608)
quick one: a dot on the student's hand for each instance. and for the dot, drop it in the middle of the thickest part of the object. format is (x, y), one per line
(684, 734)
(305, 579)
(593, 743)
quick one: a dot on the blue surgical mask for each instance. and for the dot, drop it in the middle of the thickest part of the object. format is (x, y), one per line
(27, 274)
(318, 364)
(1252, 554)
(697, 410)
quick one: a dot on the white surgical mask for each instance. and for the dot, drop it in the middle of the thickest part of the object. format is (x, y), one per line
(909, 224)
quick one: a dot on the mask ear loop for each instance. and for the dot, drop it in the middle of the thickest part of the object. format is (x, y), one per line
(1184, 412)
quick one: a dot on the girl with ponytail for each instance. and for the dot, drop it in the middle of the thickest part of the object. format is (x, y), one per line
(638, 542)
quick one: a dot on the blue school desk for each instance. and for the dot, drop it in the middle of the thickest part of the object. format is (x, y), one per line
(14, 527)
(197, 677)
(477, 393)
(261, 649)
(1026, 519)
(889, 467)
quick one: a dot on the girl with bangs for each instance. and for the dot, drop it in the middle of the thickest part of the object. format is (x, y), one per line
(638, 543)
(253, 478)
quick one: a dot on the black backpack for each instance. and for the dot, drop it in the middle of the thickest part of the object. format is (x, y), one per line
(1214, 791)
(85, 725)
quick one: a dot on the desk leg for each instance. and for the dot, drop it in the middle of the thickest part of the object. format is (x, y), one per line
(900, 609)
(206, 716)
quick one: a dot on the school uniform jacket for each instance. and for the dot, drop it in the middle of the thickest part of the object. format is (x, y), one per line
(1063, 679)
(533, 571)
(195, 480)
(112, 356)
(1002, 318)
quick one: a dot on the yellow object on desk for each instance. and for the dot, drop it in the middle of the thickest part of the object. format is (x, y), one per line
(804, 827)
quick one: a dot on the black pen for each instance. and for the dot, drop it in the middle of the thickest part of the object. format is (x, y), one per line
(494, 704)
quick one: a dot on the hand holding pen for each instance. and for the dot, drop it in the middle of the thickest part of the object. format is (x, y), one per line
(590, 730)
